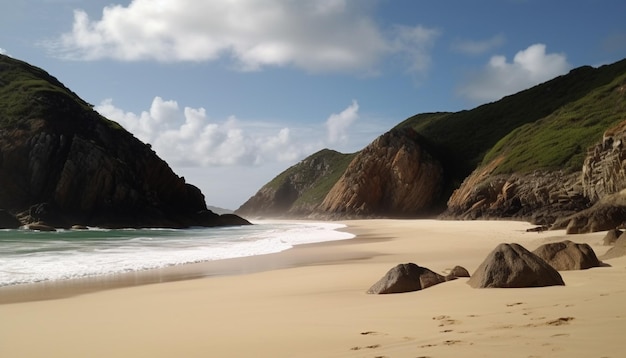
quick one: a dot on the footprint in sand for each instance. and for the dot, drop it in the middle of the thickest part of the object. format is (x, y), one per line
(560, 321)
(514, 304)
(373, 346)
(445, 320)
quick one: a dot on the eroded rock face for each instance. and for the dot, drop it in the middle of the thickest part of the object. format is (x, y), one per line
(394, 175)
(607, 214)
(539, 197)
(512, 266)
(604, 171)
(406, 278)
(568, 255)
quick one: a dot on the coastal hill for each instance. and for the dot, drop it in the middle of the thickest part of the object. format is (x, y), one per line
(63, 164)
(524, 156)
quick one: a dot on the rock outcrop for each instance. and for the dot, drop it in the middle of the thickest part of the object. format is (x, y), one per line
(406, 278)
(512, 266)
(393, 176)
(61, 163)
(607, 214)
(539, 197)
(8, 220)
(568, 255)
(298, 190)
(604, 169)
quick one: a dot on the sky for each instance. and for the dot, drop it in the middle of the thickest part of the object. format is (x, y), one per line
(232, 92)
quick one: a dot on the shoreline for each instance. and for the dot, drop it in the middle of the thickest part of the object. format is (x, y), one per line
(298, 255)
(310, 301)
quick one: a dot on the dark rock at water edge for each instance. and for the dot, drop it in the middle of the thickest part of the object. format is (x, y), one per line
(406, 278)
(64, 164)
(8, 221)
(512, 266)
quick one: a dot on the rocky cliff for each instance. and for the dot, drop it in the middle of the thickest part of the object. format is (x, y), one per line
(548, 177)
(298, 190)
(524, 157)
(62, 163)
(394, 175)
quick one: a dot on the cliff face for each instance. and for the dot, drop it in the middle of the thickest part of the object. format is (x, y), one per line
(541, 171)
(604, 169)
(393, 175)
(299, 189)
(539, 197)
(62, 163)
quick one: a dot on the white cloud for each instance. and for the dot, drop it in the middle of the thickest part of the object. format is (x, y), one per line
(189, 138)
(327, 35)
(3, 51)
(337, 124)
(500, 78)
(414, 43)
(471, 47)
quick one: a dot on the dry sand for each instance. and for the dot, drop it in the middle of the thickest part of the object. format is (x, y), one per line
(310, 302)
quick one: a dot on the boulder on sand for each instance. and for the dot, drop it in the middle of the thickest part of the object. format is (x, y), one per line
(568, 255)
(618, 249)
(511, 265)
(611, 236)
(456, 272)
(406, 278)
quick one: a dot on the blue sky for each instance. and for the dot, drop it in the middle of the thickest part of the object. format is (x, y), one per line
(230, 93)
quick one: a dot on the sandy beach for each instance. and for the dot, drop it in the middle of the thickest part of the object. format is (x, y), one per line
(311, 302)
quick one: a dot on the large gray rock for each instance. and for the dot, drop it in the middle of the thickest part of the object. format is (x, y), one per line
(568, 255)
(511, 265)
(406, 278)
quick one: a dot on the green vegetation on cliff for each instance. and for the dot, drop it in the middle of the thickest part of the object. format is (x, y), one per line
(549, 125)
(28, 92)
(301, 187)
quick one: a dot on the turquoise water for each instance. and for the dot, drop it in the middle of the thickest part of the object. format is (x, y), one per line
(29, 256)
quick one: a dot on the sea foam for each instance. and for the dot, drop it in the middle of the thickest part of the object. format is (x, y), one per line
(27, 256)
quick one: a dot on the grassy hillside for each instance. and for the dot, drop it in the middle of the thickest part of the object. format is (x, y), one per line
(560, 140)
(28, 92)
(575, 106)
(314, 176)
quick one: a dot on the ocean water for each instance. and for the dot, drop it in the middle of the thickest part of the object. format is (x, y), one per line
(30, 256)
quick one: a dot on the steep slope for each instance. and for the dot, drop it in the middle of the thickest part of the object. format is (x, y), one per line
(536, 171)
(519, 157)
(394, 175)
(63, 163)
(299, 189)
(462, 139)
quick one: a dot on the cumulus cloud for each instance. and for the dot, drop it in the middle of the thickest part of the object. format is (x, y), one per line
(471, 47)
(189, 138)
(500, 78)
(324, 35)
(3, 51)
(337, 124)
